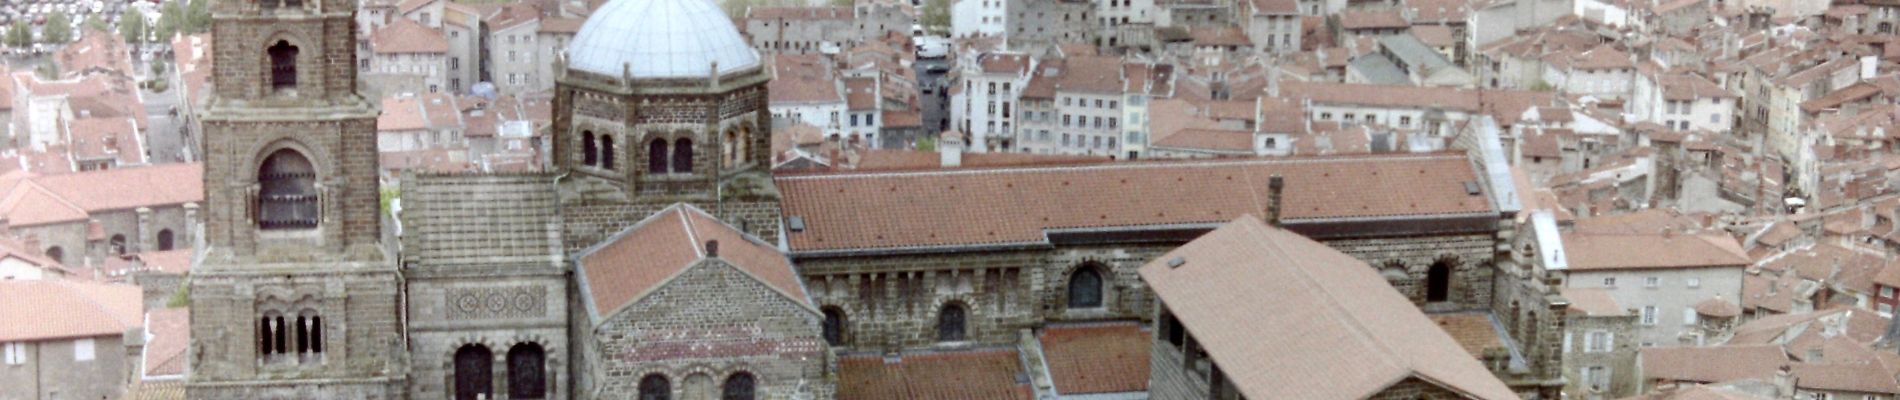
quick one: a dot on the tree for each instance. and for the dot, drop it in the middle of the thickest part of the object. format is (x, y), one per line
(93, 23)
(58, 29)
(198, 16)
(937, 15)
(132, 27)
(19, 35)
(170, 16)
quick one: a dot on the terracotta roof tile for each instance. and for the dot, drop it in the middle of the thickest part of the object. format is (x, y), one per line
(1711, 364)
(806, 78)
(1383, 19)
(1106, 358)
(1217, 140)
(1473, 331)
(85, 309)
(1594, 302)
(1647, 251)
(964, 375)
(405, 36)
(1862, 378)
(984, 206)
(1339, 330)
(636, 261)
(169, 330)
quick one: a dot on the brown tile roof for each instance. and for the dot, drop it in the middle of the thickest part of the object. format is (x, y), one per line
(1434, 35)
(1651, 251)
(860, 93)
(1339, 330)
(1098, 75)
(561, 25)
(984, 206)
(1216, 140)
(27, 199)
(1650, 220)
(636, 261)
(963, 375)
(1383, 19)
(910, 160)
(169, 330)
(1718, 307)
(1692, 87)
(803, 78)
(1711, 364)
(170, 389)
(1218, 36)
(902, 119)
(997, 63)
(1099, 358)
(85, 309)
(1860, 377)
(1594, 302)
(1502, 103)
(1473, 331)
(799, 13)
(1275, 6)
(405, 36)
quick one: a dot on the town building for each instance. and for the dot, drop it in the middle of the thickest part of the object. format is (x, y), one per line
(90, 353)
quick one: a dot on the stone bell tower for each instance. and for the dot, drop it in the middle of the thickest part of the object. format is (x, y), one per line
(296, 296)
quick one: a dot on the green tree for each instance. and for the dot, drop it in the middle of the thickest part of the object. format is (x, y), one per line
(170, 16)
(19, 35)
(843, 3)
(93, 23)
(198, 16)
(937, 15)
(58, 29)
(132, 27)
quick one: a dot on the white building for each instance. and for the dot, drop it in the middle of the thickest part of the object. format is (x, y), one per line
(979, 18)
(1683, 102)
(806, 88)
(984, 104)
(1662, 276)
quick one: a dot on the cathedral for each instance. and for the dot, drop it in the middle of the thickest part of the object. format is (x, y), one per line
(660, 257)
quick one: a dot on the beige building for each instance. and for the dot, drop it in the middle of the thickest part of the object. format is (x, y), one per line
(408, 58)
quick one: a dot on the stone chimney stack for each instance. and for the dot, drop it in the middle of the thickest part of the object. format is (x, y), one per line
(1275, 185)
(147, 235)
(950, 148)
(1784, 382)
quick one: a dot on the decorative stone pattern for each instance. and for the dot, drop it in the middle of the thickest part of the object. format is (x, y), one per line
(716, 321)
(497, 302)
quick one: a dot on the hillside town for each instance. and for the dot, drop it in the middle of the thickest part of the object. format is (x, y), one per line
(950, 199)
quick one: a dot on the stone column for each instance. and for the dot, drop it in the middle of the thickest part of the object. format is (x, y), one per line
(146, 234)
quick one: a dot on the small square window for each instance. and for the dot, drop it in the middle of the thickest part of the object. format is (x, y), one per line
(1609, 282)
(1651, 282)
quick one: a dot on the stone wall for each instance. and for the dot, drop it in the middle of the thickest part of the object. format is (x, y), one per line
(51, 371)
(1406, 261)
(1620, 360)
(343, 151)
(588, 223)
(497, 307)
(705, 325)
(360, 336)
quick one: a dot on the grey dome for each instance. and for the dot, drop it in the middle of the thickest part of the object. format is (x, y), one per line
(659, 39)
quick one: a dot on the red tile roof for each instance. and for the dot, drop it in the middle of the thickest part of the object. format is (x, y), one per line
(1099, 358)
(405, 36)
(84, 309)
(1649, 251)
(1338, 330)
(169, 330)
(638, 260)
(849, 211)
(1711, 364)
(1473, 331)
(964, 375)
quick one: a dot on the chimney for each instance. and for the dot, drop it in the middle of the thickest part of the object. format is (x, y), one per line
(1784, 382)
(712, 249)
(1275, 185)
(950, 148)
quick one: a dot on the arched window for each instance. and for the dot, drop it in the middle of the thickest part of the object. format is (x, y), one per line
(287, 192)
(316, 334)
(834, 325)
(474, 370)
(283, 66)
(527, 372)
(1438, 282)
(57, 254)
(950, 323)
(303, 334)
(607, 152)
(280, 335)
(1085, 288)
(164, 239)
(655, 387)
(656, 156)
(739, 386)
(683, 156)
(267, 335)
(118, 244)
(730, 150)
(588, 151)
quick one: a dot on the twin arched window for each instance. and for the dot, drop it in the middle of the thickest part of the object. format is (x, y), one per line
(738, 386)
(287, 192)
(279, 336)
(676, 158)
(597, 151)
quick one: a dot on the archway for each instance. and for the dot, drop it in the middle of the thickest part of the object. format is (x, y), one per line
(527, 371)
(474, 373)
(834, 325)
(950, 323)
(655, 387)
(1438, 282)
(287, 191)
(739, 386)
(283, 65)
